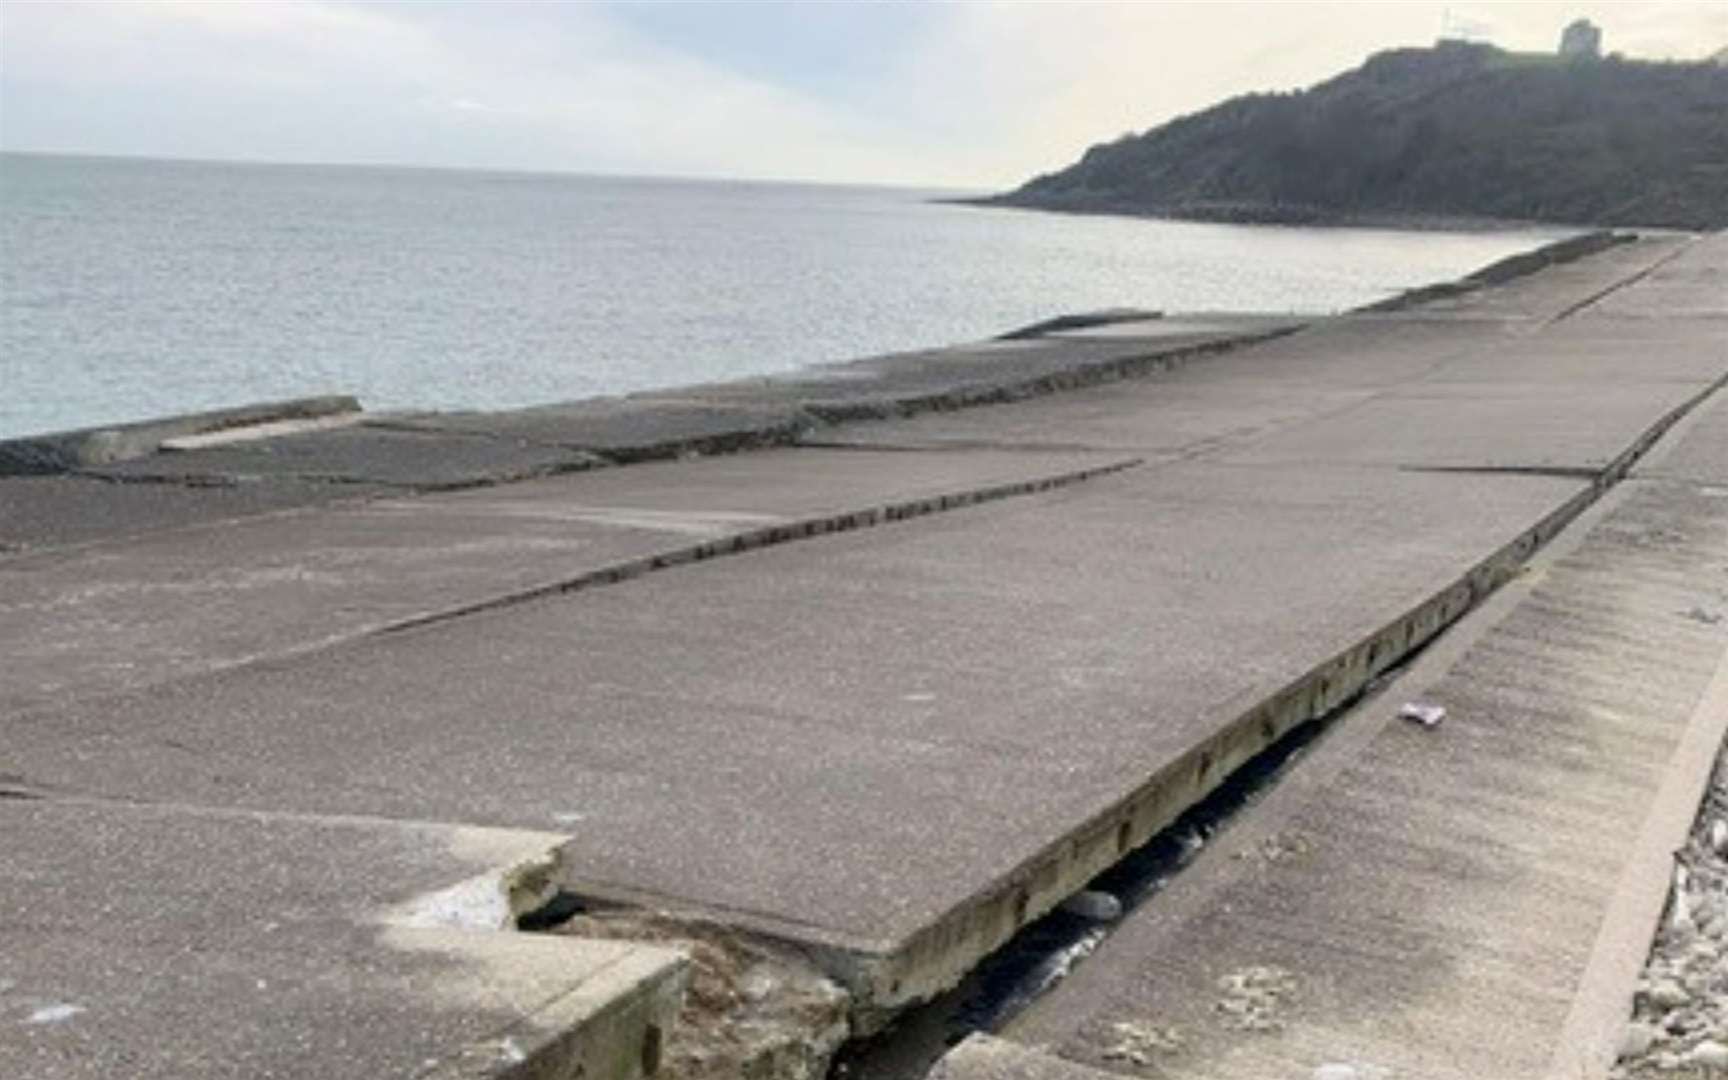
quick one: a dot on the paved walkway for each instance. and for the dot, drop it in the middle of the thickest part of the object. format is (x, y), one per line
(1000, 645)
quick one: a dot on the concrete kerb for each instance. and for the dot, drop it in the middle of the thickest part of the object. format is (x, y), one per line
(1590, 1038)
(68, 451)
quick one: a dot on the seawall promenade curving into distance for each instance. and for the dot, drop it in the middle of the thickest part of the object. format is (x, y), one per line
(876, 664)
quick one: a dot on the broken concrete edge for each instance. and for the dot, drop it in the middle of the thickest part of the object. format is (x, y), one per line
(886, 978)
(1591, 1036)
(1505, 270)
(611, 1026)
(67, 451)
(985, 1057)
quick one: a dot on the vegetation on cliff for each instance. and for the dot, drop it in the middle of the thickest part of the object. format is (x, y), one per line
(1457, 131)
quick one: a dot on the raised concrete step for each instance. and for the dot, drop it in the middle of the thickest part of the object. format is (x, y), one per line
(170, 942)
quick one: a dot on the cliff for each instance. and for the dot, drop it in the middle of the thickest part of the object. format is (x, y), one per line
(1456, 131)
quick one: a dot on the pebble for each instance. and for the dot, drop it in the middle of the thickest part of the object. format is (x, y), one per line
(1093, 904)
(1668, 994)
(1709, 1054)
(1719, 837)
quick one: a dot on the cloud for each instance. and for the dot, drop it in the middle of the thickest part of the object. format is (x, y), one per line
(977, 94)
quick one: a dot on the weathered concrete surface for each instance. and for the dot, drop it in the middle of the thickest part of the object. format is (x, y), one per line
(1433, 906)
(895, 745)
(131, 612)
(39, 512)
(168, 942)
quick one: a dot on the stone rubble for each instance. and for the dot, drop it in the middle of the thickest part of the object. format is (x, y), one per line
(1679, 1026)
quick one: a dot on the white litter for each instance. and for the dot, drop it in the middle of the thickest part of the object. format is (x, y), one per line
(54, 1014)
(1426, 715)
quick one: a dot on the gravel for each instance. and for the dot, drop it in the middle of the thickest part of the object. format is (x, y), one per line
(1679, 1025)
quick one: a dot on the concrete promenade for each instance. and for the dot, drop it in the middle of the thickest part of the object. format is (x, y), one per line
(887, 689)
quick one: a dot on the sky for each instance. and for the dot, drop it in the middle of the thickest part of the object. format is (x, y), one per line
(978, 95)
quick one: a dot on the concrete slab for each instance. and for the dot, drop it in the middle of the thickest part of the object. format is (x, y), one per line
(176, 943)
(1431, 905)
(629, 429)
(1494, 425)
(680, 712)
(365, 455)
(38, 512)
(127, 614)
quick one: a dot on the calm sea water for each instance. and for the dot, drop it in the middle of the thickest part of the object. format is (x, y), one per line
(139, 288)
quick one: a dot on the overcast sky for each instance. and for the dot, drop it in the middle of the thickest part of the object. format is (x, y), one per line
(961, 94)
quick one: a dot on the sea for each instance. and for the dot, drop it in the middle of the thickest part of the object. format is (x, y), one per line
(134, 288)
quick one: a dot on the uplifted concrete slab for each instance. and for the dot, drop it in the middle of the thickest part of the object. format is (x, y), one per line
(183, 944)
(136, 611)
(1449, 902)
(362, 455)
(847, 741)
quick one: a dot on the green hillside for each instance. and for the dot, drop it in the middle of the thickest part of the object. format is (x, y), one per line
(1459, 130)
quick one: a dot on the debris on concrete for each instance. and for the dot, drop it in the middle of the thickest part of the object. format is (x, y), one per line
(53, 1014)
(1426, 715)
(1277, 848)
(1141, 1044)
(752, 1011)
(1679, 1026)
(1254, 996)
